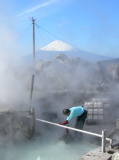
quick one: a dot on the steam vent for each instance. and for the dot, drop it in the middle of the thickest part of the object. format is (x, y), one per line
(93, 85)
(33, 127)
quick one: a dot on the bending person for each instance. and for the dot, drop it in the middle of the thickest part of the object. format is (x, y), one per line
(80, 113)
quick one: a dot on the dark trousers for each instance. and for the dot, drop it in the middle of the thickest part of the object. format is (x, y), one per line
(80, 120)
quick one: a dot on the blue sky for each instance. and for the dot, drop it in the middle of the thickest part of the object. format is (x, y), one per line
(91, 25)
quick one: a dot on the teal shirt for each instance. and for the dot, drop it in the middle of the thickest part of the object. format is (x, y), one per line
(75, 111)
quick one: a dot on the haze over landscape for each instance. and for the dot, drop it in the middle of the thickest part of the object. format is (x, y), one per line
(69, 36)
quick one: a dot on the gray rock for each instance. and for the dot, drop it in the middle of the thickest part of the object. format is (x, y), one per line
(115, 156)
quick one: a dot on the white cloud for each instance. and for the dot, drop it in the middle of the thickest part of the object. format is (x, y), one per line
(47, 3)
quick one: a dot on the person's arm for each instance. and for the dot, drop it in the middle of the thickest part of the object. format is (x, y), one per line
(64, 123)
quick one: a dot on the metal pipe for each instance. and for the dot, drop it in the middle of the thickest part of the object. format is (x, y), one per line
(103, 140)
(78, 130)
(111, 141)
(94, 134)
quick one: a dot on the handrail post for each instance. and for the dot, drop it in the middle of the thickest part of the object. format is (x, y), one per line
(111, 141)
(103, 140)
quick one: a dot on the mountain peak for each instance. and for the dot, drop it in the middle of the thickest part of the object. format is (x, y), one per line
(58, 46)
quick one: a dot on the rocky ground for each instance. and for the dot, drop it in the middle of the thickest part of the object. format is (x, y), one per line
(111, 152)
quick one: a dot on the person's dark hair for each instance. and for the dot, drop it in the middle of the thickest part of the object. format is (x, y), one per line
(66, 111)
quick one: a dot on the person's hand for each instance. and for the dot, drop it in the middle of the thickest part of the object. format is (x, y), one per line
(64, 123)
(67, 131)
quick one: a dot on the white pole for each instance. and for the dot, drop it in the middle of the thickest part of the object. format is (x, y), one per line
(103, 141)
(94, 134)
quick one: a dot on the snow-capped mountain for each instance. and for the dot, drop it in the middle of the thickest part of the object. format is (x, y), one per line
(58, 46)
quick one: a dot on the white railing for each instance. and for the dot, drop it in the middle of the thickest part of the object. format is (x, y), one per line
(86, 132)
